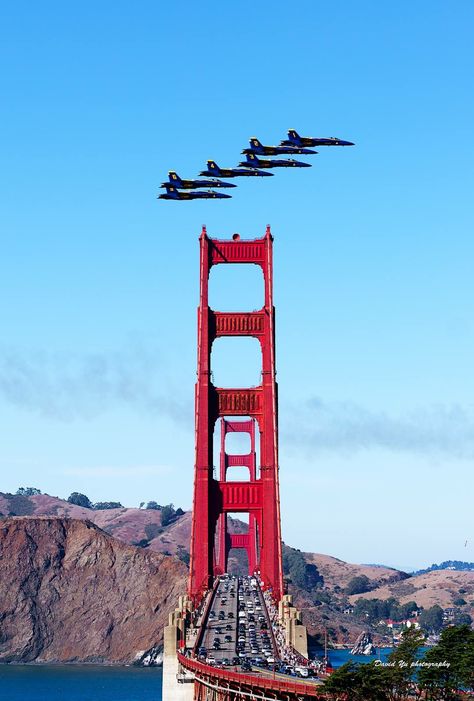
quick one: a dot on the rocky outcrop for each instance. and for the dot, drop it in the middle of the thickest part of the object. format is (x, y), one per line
(69, 592)
(363, 645)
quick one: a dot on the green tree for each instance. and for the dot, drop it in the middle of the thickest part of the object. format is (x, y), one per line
(183, 555)
(303, 574)
(153, 505)
(431, 620)
(342, 682)
(167, 514)
(372, 683)
(28, 491)
(459, 602)
(374, 610)
(406, 610)
(461, 619)
(400, 673)
(80, 500)
(358, 585)
(365, 682)
(104, 505)
(452, 665)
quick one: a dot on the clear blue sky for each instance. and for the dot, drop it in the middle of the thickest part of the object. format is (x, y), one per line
(373, 255)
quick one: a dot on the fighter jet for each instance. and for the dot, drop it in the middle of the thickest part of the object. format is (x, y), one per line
(173, 194)
(255, 162)
(214, 170)
(180, 184)
(294, 139)
(258, 148)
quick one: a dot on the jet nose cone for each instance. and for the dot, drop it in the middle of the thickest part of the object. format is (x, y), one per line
(305, 165)
(347, 143)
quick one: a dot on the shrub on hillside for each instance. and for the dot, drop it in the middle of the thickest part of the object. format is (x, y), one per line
(104, 505)
(303, 574)
(358, 585)
(28, 491)
(80, 500)
(153, 505)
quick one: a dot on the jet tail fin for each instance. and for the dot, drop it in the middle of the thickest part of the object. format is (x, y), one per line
(174, 178)
(294, 136)
(252, 159)
(256, 144)
(213, 167)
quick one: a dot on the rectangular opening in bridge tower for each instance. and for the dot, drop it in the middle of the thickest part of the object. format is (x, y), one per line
(214, 495)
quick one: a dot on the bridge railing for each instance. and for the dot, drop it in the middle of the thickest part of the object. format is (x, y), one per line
(205, 615)
(252, 680)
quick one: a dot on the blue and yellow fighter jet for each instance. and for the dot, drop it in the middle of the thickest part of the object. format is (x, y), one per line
(294, 139)
(180, 184)
(255, 162)
(260, 150)
(214, 170)
(173, 194)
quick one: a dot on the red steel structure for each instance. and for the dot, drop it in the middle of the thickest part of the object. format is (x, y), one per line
(211, 684)
(225, 540)
(259, 496)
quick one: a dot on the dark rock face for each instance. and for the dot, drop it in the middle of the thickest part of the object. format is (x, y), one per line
(363, 645)
(69, 592)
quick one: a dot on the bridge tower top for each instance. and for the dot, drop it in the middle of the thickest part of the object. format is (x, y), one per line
(259, 496)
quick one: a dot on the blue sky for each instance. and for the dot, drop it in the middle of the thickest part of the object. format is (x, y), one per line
(373, 256)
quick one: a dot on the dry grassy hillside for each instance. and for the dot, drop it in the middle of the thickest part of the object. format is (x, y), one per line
(338, 573)
(133, 525)
(439, 587)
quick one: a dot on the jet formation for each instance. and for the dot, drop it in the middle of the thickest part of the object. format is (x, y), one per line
(253, 166)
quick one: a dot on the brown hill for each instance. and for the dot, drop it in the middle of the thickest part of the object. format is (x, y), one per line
(127, 524)
(438, 587)
(337, 573)
(133, 525)
(71, 592)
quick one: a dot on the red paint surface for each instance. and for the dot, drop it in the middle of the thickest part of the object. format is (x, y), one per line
(296, 689)
(214, 499)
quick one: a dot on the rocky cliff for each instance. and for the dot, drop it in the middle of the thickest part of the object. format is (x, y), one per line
(69, 592)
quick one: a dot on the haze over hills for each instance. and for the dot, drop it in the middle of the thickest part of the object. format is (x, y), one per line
(156, 556)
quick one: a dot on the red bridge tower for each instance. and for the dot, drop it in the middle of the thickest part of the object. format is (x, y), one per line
(259, 496)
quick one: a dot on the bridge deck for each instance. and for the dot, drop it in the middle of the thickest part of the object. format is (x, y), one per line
(231, 680)
(236, 629)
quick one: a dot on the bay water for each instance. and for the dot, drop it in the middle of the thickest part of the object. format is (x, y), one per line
(79, 683)
(101, 683)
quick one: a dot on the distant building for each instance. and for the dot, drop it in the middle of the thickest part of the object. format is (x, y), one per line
(412, 623)
(449, 614)
(400, 625)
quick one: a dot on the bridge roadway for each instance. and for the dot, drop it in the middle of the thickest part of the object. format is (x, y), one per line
(238, 617)
(237, 626)
(220, 684)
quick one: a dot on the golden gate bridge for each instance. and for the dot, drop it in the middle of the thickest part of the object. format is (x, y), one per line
(228, 633)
